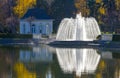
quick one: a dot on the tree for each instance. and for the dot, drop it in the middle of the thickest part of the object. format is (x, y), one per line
(117, 3)
(22, 6)
(12, 24)
(62, 9)
(5, 12)
(81, 6)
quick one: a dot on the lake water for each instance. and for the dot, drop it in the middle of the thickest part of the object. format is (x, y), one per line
(46, 62)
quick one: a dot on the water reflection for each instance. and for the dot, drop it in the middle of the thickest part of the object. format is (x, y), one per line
(78, 60)
(37, 54)
(22, 72)
(43, 62)
(35, 58)
(26, 62)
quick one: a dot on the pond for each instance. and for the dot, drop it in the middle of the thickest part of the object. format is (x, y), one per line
(47, 62)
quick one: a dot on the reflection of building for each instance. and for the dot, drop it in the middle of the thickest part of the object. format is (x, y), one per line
(106, 55)
(107, 37)
(36, 55)
(78, 60)
(38, 60)
(49, 74)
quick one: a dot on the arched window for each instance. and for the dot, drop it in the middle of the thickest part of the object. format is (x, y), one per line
(47, 29)
(33, 28)
(23, 28)
(40, 28)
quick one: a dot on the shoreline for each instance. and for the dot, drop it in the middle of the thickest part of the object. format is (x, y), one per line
(60, 44)
(85, 44)
(12, 41)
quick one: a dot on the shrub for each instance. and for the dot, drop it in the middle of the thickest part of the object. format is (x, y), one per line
(4, 35)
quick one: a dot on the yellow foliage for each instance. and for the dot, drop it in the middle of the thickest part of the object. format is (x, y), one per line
(22, 72)
(102, 65)
(98, 75)
(82, 7)
(117, 2)
(98, 1)
(22, 6)
(77, 5)
(102, 10)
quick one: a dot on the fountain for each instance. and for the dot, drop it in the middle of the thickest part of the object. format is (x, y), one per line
(79, 61)
(78, 29)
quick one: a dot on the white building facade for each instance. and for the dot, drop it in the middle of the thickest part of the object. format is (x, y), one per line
(36, 21)
(43, 27)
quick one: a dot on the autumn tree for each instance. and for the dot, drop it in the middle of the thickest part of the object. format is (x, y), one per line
(62, 9)
(22, 6)
(12, 24)
(6, 12)
(81, 6)
(117, 3)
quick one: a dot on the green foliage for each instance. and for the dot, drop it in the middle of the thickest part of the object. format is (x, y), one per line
(19, 36)
(108, 32)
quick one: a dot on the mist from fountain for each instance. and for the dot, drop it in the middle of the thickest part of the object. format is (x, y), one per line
(80, 28)
(78, 60)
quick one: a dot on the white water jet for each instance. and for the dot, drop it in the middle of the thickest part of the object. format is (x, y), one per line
(78, 60)
(80, 28)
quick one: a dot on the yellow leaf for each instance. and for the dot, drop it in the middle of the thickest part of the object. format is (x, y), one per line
(98, 1)
(117, 2)
(102, 10)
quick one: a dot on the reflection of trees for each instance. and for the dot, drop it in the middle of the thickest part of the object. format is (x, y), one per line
(6, 61)
(22, 72)
(108, 68)
(9, 57)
